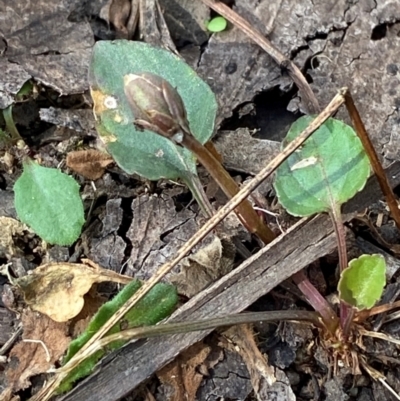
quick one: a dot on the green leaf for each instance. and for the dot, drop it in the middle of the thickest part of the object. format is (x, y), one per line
(217, 24)
(48, 201)
(158, 304)
(361, 284)
(144, 152)
(329, 169)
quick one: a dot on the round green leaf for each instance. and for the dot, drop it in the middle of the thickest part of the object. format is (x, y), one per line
(48, 201)
(361, 284)
(144, 152)
(329, 169)
(217, 24)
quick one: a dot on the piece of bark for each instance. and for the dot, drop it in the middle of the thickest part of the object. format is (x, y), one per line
(305, 242)
(186, 20)
(107, 248)
(44, 44)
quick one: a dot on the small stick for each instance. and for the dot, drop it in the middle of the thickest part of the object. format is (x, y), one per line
(298, 78)
(373, 157)
(246, 190)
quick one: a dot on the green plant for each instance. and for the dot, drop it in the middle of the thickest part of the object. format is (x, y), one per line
(12, 134)
(157, 305)
(329, 169)
(49, 202)
(151, 128)
(141, 112)
(45, 199)
(217, 24)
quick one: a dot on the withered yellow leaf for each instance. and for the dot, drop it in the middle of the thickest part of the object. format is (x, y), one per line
(57, 289)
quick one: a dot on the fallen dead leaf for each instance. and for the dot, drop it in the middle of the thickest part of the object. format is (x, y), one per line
(90, 163)
(43, 42)
(44, 342)
(57, 289)
(204, 267)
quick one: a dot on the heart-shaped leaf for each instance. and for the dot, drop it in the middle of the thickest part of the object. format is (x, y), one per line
(144, 152)
(48, 201)
(361, 284)
(329, 169)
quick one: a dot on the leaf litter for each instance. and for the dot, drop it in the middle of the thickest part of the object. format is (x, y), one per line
(379, 12)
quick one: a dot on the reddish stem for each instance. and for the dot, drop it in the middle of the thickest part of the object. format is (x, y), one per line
(317, 301)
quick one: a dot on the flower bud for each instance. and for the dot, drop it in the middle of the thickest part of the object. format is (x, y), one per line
(156, 105)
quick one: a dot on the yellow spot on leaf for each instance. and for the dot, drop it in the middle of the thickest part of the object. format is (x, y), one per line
(99, 101)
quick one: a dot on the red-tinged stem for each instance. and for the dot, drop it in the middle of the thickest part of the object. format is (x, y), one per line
(317, 301)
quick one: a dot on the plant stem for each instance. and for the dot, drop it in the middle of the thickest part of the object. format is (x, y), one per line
(197, 190)
(245, 211)
(373, 157)
(340, 232)
(317, 301)
(10, 125)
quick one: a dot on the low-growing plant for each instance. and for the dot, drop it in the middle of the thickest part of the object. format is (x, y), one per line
(45, 199)
(217, 24)
(154, 115)
(330, 168)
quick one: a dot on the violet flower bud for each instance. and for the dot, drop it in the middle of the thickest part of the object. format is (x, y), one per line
(156, 105)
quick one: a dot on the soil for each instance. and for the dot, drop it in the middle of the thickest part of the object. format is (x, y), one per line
(133, 225)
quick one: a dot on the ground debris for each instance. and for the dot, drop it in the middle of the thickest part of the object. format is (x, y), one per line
(42, 43)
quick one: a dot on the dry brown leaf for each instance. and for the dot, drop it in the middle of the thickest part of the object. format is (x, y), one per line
(204, 267)
(8, 229)
(57, 289)
(183, 373)
(90, 163)
(44, 342)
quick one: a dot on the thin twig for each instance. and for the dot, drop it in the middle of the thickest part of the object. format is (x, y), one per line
(373, 157)
(310, 101)
(336, 102)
